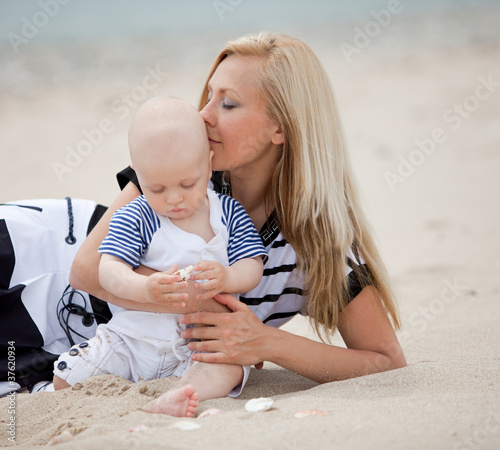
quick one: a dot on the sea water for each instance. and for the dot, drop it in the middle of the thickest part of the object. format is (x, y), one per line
(90, 20)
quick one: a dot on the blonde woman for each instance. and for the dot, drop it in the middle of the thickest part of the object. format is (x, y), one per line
(278, 149)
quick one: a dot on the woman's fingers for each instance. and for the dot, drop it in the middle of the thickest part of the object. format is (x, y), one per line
(231, 302)
(214, 357)
(202, 318)
(210, 346)
(231, 338)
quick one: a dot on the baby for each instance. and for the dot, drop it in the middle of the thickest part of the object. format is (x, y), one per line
(178, 222)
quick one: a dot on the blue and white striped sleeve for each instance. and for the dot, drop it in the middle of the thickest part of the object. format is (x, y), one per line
(244, 240)
(131, 230)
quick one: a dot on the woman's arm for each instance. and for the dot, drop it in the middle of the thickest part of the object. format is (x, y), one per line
(84, 274)
(241, 338)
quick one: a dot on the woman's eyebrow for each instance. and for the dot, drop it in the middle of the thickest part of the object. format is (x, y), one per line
(229, 90)
(223, 90)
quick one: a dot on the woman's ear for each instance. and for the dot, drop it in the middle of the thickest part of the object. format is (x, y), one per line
(278, 138)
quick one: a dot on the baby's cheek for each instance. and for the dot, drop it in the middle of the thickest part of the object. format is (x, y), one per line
(201, 203)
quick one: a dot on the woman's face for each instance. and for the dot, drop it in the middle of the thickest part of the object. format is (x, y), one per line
(239, 130)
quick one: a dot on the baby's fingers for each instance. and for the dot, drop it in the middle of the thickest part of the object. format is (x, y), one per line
(172, 270)
(203, 275)
(165, 280)
(208, 285)
(175, 299)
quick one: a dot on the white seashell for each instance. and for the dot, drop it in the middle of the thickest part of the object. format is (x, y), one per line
(209, 412)
(259, 404)
(185, 273)
(185, 425)
(309, 412)
(65, 436)
(138, 428)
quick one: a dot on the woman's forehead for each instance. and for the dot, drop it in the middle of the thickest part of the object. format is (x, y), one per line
(234, 73)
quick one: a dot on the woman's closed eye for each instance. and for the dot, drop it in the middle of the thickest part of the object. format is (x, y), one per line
(228, 104)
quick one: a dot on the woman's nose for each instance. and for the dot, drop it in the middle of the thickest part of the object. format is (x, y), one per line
(207, 114)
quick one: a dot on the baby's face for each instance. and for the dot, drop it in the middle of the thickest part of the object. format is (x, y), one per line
(171, 156)
(175, 182)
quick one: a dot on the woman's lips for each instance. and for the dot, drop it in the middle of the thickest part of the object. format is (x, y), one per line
(212, 141)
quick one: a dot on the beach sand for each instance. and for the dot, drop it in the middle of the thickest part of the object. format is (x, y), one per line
(435, 216)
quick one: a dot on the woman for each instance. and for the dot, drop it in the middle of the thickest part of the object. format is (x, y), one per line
(273, 125)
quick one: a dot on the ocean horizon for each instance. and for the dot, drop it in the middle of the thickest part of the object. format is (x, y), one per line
(73, 21)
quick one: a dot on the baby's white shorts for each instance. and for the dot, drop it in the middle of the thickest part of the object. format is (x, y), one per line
(112, 352)
(115, 353)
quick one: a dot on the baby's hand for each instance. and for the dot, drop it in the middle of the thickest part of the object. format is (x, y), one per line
(162, 287)
(215, 275)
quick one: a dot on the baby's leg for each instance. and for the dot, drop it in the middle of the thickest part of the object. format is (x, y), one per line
(201, 382)
(213, 380)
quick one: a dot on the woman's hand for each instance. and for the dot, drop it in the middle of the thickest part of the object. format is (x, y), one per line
(238, 337)
(241, 338)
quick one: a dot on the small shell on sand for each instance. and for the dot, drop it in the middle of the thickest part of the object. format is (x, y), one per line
(309, 412)
(185, 425)
(259, 404)
(185, 273)
(140, 427)
(65, 436)
(209, 412)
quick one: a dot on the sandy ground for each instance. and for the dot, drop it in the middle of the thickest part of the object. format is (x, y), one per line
(435, 214)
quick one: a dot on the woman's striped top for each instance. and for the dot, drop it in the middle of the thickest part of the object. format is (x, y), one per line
(280, 294)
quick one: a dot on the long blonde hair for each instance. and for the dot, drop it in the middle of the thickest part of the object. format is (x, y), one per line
(316, 197)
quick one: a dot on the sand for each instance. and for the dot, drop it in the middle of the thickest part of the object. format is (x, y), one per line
(436, 220)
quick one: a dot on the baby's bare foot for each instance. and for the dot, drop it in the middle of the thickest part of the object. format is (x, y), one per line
(180, 402)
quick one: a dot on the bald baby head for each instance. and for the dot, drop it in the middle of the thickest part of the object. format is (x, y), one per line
(167, 128)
